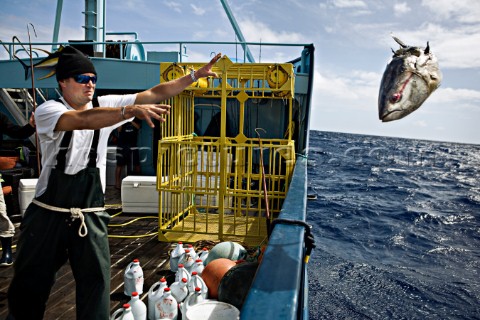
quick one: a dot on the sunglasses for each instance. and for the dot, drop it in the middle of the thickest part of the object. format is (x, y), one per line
(83, 79)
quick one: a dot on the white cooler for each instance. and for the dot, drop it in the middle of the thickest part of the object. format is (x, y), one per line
(139, 194)
(26, 192)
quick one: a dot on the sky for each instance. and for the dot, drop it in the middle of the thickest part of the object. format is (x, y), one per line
(352, 40)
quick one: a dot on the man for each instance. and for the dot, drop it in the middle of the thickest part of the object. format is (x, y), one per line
(13, 131)
(66, 219)
(7, 229)
(127, 151)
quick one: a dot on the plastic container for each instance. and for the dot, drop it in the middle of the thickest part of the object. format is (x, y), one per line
(124, 313)
(133, 278)
(192, 299)
(203, 254)
(179, 290)
(212, 310)
(197, 267)
(182, 273)
(187, 260)
(155, 293)
(139, 309)
(167, 307)
(197, 282)
(175, 256)
(193, 254)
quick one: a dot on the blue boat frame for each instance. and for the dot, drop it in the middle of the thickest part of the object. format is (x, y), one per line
(286, 297)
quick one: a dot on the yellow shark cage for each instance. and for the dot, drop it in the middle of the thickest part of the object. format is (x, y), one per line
(212, 188)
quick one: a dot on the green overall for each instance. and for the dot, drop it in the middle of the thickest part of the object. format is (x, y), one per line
(48, 238)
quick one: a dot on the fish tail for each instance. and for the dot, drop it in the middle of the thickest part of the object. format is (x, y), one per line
(25, 67)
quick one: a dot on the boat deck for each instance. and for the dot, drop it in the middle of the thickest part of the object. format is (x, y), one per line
(130, 244)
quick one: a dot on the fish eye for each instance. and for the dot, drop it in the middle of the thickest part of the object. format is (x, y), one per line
(396, 97)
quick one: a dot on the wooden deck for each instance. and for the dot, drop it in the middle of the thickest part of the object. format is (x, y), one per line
(130, 244)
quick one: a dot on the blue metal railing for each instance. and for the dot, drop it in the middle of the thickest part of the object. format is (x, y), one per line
(181, 44)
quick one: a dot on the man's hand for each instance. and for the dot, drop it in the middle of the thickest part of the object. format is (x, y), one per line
(206, 70)
(147, 112)
(31, 121)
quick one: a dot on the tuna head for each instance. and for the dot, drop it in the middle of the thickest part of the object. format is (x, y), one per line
(409, 79)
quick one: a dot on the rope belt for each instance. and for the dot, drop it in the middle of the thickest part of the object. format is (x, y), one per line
(75, 213)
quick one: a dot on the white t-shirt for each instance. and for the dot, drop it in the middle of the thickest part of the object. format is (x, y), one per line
(46, 117)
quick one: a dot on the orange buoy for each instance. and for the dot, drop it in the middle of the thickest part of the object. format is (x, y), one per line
(213, 274)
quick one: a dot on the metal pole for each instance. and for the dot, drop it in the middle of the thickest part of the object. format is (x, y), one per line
(56, 29)
(235, 26)
(34, 98)
(264, 183)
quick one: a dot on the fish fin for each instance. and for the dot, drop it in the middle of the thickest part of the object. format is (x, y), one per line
(427, 49)
(51, 73)
(25, 67)
(43, 50)
(47, 64)
(51, 60)
(400, 42)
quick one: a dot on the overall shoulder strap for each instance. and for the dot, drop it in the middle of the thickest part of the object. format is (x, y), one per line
(62, 154)
(92, 161)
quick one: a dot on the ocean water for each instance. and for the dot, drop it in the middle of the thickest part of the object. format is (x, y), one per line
(397, 228)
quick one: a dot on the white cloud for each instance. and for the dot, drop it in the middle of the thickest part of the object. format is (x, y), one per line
(256, 31)
(199, 11)
(359, 90)
(222, 33)
(132, 4)
(16, 25)
(401, 8)
(194, 56)
(465, 11)
(459, 49)
(174, 5)
(421, 123)
(441, 129)
(366, 78)
(457, 98)
(68, 33)
(332, 86)
(359, 13)
(302, 4)
(349, 4)
(201, 34)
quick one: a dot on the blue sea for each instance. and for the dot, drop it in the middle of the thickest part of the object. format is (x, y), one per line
(397, 228)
